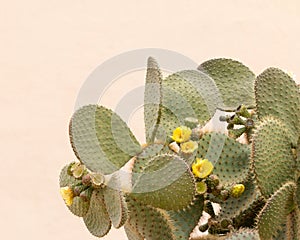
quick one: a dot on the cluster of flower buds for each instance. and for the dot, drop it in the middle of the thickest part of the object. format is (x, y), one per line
(240, 122)
(86, 182)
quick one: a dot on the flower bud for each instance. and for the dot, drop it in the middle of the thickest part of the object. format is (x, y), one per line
(204, 227)
(237, 190)
(224, 194)
(86, 180)
(249, 123)
(201, 187)
(78, 189)
(97, 180)
(77, 169)
(69, 170)
(212, 181)
(243, 111)
(225, 223)
(197, 133)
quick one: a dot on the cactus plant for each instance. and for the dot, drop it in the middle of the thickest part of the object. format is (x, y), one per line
(161, 190)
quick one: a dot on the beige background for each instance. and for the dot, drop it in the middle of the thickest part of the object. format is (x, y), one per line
(47, 50)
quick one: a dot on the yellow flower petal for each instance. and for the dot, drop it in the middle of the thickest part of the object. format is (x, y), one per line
(189, 147)
(237, 190)
(67, 194)
(202, 168)
(181, 134)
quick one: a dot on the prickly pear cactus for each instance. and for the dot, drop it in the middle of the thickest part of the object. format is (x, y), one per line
(245, 179)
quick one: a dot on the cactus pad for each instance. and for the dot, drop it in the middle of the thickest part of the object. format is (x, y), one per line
(298, 158)
(234, 80)
(277, 94)
(101, 140)
(234, 207)
(116, 206)
(97, 219)
(79, 207)
(132, 233)
(141, 160)
(275, 212)
(148, 222)
(292, 230)
(298, 192)
(272, 156)
(152, 99)
(187, 94)
(230, 158)
(166, 182)
(244, 234)
(185, 220)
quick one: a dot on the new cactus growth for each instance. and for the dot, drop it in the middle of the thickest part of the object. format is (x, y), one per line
(161, 190)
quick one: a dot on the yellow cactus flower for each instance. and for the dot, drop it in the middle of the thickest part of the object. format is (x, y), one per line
(202, 168)
(67, 194)
(237, 190)
(189, 147)
(181, 134)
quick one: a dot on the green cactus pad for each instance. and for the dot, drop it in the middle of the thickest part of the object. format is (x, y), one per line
(229, 157)
(282, 234)
(185, 220)
(277, 94)
(244, 234)
(187, 94)
(101, 140)
(79, 207)
(132, 233)
(298, 192)
(272, 157)
(97, 219)
(209, 237)
(142, 159)
(116, 206)
(234, 80)
(274, 213)
(293, 225)
(152, 99)
(248, 217)
(151, 150)
(298, 158)
(149, 222)
(234, 207)
(65, 179)
(166, 182)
